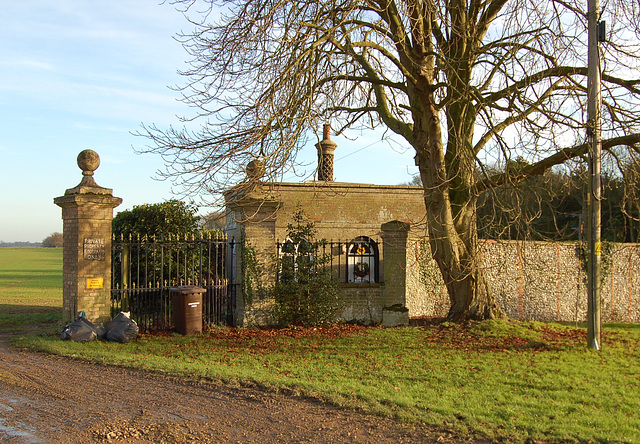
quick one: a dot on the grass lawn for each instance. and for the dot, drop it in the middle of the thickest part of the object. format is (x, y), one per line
(512, 381)
(30, 286)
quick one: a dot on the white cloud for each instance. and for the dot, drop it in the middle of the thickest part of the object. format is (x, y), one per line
(38, 65)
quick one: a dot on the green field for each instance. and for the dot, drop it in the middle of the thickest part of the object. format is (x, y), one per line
(30, 287)
(508, 381)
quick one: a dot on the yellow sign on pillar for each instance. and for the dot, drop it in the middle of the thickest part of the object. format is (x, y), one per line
(95, 283)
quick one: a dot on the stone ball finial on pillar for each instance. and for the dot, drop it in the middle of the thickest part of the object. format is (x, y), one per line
(88, 162)
(255, 170)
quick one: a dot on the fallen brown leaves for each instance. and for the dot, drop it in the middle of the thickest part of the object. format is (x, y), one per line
(333, 331)
(462, 336)
(466, 336)
(330, 331)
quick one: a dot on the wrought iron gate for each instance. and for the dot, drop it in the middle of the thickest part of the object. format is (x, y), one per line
(144, 270)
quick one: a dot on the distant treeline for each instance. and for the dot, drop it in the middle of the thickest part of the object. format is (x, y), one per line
(20, 244)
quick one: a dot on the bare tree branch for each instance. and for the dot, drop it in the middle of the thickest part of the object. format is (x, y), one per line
(484, 91)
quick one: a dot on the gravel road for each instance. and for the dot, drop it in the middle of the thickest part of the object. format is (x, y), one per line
(48, 399)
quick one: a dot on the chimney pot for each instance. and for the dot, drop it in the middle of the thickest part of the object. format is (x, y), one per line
(325, 155)
(326, 132)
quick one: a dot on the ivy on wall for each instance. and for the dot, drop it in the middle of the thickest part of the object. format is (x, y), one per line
(608, 250)
(252, 285)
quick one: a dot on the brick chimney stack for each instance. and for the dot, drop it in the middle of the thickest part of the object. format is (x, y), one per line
(326, 148)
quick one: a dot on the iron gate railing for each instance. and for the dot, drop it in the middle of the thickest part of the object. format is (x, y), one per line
(353, 261)
(145, 269)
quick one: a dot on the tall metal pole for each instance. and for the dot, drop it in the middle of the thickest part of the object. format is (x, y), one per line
(594, 195)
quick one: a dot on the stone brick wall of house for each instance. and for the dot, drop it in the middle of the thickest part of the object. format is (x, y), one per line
(258, 213)
(534, 281)
(344, 210)
(363, 303)
(252, 224)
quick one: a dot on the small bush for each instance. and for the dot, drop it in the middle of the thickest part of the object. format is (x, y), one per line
(305, 293)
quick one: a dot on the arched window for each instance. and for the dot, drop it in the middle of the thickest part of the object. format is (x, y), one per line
(362, 260)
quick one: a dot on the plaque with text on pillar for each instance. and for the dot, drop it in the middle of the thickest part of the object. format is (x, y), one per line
(94, 249)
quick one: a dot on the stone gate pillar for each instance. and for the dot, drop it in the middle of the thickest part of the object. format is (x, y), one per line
(394, 247)
(252, 212)
(87, 211)
(252, 220)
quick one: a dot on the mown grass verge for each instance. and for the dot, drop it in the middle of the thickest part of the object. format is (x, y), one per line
(30, 287)
(510, 381)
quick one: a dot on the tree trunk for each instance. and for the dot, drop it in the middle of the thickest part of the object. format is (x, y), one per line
(452, 228)
(469, 292)
(460, 262)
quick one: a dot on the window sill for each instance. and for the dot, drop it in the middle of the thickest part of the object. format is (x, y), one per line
(362, 284)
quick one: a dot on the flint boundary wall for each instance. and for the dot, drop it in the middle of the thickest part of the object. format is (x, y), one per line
(534, 281)
(530, 280)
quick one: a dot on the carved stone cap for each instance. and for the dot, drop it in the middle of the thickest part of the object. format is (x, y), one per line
(85, 199)
(88, 162)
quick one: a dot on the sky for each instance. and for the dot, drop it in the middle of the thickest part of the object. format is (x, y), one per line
(78, 75)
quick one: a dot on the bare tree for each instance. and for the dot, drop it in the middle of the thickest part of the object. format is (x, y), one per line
(467, 83)
(631, 198)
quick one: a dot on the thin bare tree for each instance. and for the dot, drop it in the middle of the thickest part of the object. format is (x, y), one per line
(467, 83)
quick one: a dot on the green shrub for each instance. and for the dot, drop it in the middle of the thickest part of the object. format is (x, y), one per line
(305, 293)
(172, 217)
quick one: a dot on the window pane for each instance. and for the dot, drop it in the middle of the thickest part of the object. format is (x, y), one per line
(362, 260)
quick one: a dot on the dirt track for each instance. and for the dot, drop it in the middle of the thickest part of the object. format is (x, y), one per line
(50, 399)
